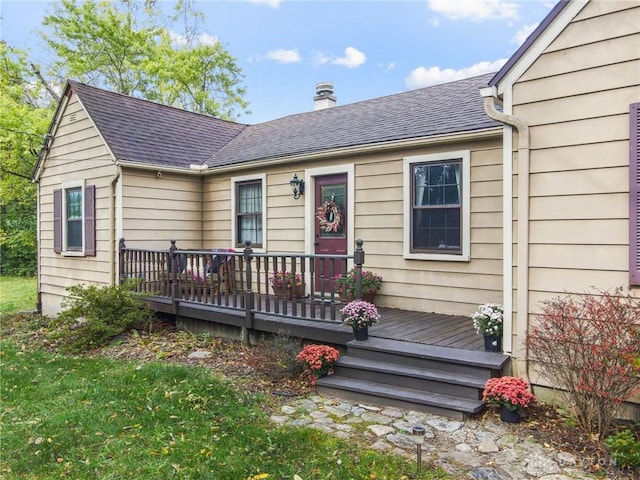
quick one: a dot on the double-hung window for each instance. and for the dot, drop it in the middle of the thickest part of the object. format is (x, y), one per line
(74, 219)
(249, 206)
(437, 206)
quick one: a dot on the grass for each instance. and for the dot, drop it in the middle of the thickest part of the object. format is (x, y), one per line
(77, 417)
(17, 294)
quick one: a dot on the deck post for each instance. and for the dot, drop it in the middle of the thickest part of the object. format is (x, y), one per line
(358, 260)
(173, 279)
(248, 294)
(121, 261)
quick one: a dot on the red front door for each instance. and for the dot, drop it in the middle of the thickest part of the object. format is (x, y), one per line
(330, 228)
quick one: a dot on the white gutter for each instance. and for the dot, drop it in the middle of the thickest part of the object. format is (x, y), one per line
(522, 252)
(325, 154)
(157, 168)
(362, 149)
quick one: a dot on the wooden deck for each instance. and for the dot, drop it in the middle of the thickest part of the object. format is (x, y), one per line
(441, 330)
(453, 331)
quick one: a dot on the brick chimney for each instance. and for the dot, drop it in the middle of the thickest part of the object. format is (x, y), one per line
(324, 97)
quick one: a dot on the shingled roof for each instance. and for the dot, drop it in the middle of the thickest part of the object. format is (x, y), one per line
(437, 110)
(145, 132)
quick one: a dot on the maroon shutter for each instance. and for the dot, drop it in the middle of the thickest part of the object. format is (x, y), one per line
(90, 220)
(634, 194)
(57, 220)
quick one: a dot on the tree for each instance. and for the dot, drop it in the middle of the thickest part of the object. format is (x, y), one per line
(24, 116)
(126, 47)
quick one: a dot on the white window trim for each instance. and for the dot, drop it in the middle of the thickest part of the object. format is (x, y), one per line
(66, 186)
(465, 157)
(244, 178)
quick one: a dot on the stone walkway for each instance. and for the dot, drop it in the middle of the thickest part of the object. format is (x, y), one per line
(473, 449)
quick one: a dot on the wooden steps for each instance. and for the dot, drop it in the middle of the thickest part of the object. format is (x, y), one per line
(441, 380)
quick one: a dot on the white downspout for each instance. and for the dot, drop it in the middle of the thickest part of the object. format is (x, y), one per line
(38, 305)
(113, 239)
(522, 252)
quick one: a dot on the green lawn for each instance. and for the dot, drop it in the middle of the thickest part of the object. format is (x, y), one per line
(76, 417)
(17, 294)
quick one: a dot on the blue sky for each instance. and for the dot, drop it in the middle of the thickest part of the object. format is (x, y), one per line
(367, 49)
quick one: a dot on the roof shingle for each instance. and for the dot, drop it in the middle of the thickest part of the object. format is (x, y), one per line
(145, 132)
(141, 131)
(437, 110)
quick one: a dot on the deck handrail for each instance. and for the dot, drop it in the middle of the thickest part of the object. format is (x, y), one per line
(240, 279)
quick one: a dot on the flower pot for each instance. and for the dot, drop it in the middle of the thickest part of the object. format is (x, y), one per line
(326, 373)
(492, 343)
(361, 333)
(367, 297)
(288, 291)
(509, 416)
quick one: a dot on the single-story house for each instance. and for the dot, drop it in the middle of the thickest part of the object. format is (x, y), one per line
(508, 188)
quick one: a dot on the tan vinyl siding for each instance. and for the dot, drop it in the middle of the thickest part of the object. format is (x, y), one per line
(426, 285)
(284, 215)
(77, 153)
(158, 210)
(576, 97)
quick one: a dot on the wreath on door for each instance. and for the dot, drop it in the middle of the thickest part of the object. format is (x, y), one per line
(330, 217)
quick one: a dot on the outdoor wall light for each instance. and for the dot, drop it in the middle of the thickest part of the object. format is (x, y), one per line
(297, 186)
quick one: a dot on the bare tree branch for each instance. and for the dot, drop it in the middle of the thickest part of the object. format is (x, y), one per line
(36, 71)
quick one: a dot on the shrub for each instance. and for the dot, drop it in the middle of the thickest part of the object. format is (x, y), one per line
(276, 356)
(587, 345)
(625, 449)
(93, 315)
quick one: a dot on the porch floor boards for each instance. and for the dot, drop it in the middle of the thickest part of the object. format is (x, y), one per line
(454, 331)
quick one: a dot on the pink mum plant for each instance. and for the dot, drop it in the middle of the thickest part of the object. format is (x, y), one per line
(282, 278)
(512, 392)
(359, 314)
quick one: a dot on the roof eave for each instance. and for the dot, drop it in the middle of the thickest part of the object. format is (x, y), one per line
(53, 126)
(159, 168)
(480, 134)
(555, 21)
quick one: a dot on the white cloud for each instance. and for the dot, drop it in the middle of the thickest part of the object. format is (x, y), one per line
(177, 39)
(522, 34)
(202, 39)
(389, 66)
(352, 58)
(424, 77)
(320, 58)
(206, 39)
(475, 10)
(284, 56)
(268, 3)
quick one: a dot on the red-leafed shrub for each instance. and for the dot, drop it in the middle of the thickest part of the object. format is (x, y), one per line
(588, 346)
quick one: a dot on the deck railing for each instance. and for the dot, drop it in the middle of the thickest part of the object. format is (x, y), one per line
(288, 284)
